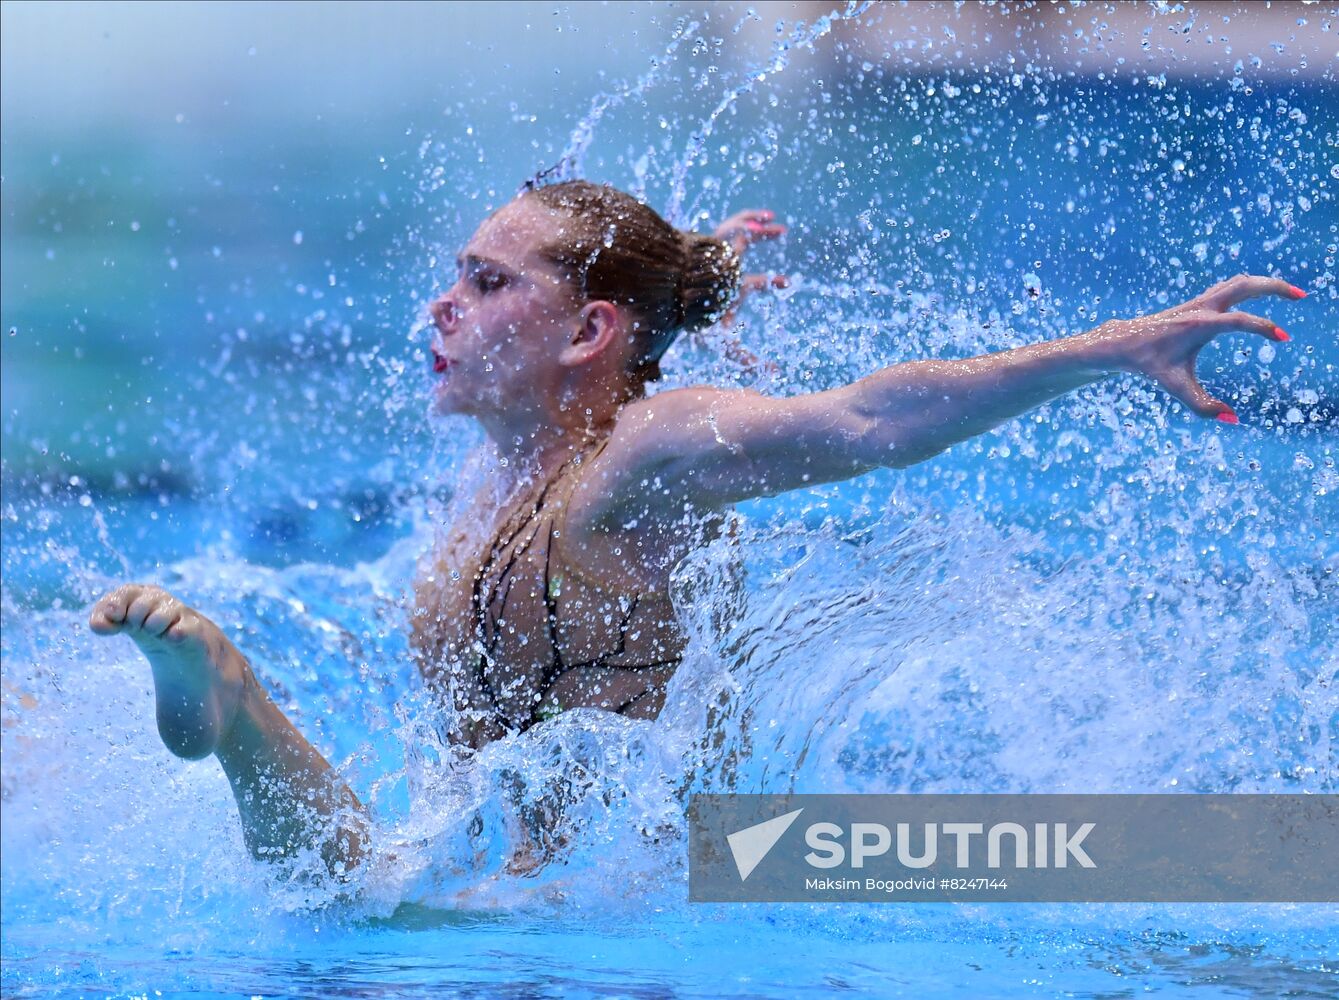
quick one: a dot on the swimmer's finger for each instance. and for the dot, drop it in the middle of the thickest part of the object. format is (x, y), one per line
(1214, 324)
(1227, 294)
(1182, 383)
(760, 232)
(751, 283)
(749, 216)
(742, 242)
(750, 226)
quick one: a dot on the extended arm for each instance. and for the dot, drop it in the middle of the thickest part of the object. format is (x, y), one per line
(713, 447)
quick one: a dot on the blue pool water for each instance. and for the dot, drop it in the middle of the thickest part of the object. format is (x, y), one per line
(1105, 595)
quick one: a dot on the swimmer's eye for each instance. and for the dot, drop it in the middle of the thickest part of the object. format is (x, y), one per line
(490, 281)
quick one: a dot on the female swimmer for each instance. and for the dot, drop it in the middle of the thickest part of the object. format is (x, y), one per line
(567, 298)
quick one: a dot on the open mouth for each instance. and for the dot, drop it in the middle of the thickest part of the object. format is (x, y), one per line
(440, 363)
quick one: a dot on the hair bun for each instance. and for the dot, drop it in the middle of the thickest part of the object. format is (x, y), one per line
(709, 281)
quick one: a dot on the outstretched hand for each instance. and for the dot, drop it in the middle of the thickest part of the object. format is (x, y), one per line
(1164, 346)
(741, 231)
(753, 225)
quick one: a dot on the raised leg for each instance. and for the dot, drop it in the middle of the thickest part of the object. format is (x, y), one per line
(209, 702)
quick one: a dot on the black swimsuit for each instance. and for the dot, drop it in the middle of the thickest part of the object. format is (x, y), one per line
(547, 638)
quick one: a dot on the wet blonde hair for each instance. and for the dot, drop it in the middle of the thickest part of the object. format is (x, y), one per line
(617, 249)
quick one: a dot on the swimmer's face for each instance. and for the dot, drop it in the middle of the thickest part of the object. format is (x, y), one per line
(501, 327)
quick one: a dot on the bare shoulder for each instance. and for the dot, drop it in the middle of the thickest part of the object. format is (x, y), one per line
(638, 474)
(629, 519)
(671, 425)
(700, 449)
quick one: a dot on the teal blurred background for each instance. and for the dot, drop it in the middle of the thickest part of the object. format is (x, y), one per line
(220, 221)
(177, 174)
(217, 226)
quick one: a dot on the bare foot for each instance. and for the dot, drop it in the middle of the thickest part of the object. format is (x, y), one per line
(198, 675)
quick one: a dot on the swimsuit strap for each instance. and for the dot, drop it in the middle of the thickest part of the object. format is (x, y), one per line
(539, 502)
(565, 566)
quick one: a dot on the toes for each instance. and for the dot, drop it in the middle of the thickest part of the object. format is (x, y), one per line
(162, 616)
(109, 614)
(149, 600)
(182, 627)
(101, 624)
(135, 607)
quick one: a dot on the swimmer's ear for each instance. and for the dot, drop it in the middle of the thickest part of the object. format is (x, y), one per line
(599, 325)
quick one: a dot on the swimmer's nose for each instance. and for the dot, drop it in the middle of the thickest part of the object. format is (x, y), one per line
(445, 315)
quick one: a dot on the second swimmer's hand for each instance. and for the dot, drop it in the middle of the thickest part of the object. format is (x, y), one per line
(741, 231)
(1164, 346)
(753, 225)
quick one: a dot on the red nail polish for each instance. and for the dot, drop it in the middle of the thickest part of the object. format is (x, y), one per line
(1280, 335)
(1299, 292)
(1228, 417)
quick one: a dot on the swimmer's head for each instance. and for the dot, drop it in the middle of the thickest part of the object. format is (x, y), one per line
(567, 292)
(619, 250)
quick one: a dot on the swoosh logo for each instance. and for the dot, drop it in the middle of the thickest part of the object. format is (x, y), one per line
(751, 844)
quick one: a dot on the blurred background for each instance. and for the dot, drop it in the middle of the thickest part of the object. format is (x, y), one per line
(220, 220)
(219, 224)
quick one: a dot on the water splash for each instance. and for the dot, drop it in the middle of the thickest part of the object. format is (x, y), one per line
(1103, 595)
(572, 161)
(802, 37)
